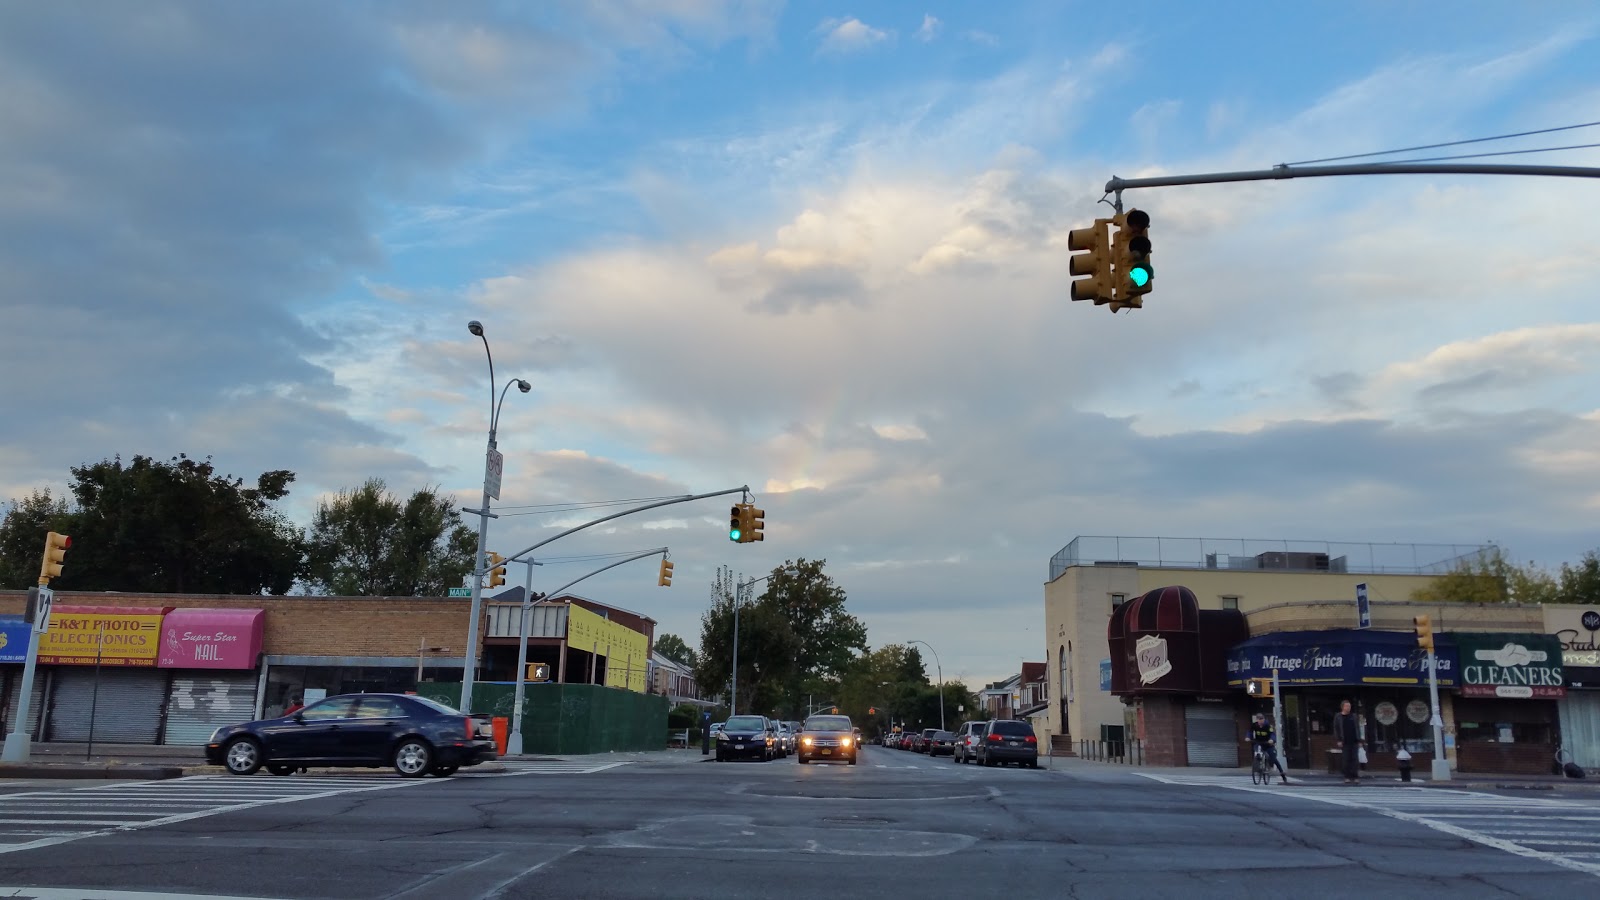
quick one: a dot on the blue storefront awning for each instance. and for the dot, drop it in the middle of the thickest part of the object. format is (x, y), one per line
(14, 635)
(1341, 656)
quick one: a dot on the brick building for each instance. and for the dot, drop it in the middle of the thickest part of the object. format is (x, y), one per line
(169, 668)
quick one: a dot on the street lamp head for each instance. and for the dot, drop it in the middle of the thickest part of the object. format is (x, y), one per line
(523, 385)
(475, 327)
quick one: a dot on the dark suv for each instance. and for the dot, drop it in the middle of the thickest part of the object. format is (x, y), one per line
(1007, 741)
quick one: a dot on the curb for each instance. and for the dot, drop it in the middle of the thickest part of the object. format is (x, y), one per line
(86, 772)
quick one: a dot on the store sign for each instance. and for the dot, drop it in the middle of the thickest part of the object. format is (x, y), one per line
(1514, 666)
(1105, 675)
(1578, 630)
(109, 636)
(1151, 652)
(14, 637)
(1339, 656)
(211, 638)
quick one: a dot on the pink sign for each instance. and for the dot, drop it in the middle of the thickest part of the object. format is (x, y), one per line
(211, 638)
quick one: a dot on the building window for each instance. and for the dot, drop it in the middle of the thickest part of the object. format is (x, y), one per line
(1117, 600)
(1230, 602)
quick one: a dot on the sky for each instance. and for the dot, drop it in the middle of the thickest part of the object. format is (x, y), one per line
(819, 249)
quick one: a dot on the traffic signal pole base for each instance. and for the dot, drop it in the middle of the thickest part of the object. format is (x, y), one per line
(1441, 770)
(514, 744)
(19, 745)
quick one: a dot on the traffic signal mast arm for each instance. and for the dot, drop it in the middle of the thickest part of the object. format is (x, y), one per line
(1118, 185)
(627, 512)
(557, 591)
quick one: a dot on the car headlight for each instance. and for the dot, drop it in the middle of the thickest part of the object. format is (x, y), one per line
(806, 741)
(217, 735)
(844, 742)
(722, 735)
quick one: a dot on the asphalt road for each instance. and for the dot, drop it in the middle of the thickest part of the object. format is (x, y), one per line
(896, 822)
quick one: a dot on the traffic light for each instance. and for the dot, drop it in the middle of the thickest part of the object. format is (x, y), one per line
(497, 571)
(1095, 263)
(538, 672)
(1130, 253)
(665, 580)
(754, 523)
(1423, 625)
(872, 710)
(736, 523)
(55, 552)
(836, 710)
(1258, 687)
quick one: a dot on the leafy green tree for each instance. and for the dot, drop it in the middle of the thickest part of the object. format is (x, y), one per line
(767, 649)
(1489, 578)
(826, 636)
(178, 527)
(22, 533)
(673, 647)
(1580, 583)
(368, 542)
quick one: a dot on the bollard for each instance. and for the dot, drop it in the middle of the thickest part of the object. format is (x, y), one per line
(1404, 758)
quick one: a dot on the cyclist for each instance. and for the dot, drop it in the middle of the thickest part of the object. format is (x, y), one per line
(1265, 739)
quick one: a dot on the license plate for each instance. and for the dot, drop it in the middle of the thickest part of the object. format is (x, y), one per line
(826, 752)
(738, 746)
(1012, 743)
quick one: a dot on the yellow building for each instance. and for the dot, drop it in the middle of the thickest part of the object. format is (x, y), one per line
(1091, 576)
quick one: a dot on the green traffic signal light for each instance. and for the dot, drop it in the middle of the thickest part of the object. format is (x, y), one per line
(1139, 275)
(733, 534)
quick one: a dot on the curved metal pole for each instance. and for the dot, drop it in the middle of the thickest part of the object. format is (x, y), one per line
(475, 607)
(940, 667)
(606, 568)
(1398, 168)
(627, 512)
(485, 339)
(494, 418)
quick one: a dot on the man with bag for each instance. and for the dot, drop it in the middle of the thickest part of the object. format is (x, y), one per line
(1347, 737)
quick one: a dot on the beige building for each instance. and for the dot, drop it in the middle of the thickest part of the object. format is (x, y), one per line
(1092, 575)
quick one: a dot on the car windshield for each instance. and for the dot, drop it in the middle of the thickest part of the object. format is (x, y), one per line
(828, 723)
(438, 707)
(745, 723)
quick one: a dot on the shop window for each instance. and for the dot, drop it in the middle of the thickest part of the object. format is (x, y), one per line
(1117, 600)
(1230, 602)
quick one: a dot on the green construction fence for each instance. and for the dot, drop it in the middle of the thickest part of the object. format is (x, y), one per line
(568, 719)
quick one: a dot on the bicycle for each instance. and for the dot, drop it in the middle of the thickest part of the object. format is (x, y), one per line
(1260, 769)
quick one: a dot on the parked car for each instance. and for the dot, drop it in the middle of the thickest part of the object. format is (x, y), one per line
(415, 735)
(925, 739)
(747, 736)
(941, 743)
(828, 737)
(1008, 741)
(966, 735)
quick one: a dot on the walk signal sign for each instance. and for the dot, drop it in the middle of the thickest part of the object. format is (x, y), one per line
(1258, 687)
(538, 672)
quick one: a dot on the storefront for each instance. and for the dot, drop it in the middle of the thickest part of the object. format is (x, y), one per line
(1578, 630)
(211, 658)
(1382, 673)
(1507, 719)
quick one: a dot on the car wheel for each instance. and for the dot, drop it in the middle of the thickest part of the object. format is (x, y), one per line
(413, 758)
(443, 771)
(803, 759)
(1033, 764)
(280, 770)
(242, 756)
(852, 760)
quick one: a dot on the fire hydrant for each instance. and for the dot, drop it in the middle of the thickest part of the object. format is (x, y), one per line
(1404, 758)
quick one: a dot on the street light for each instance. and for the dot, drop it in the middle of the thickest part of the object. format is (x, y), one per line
(740, 590)
(491, 490)
(941, 678)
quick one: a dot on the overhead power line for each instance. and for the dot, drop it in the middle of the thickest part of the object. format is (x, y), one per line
(1498, 137)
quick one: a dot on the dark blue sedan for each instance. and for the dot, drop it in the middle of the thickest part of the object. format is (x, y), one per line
(415, 735)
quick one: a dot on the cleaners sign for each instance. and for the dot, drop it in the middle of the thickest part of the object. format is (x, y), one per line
(1513, 666)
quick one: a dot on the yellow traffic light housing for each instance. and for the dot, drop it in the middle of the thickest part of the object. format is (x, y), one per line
(497, 571)
(754, 522)
(1423, 625)
(736, 523)
(1258, 687)
(665, 579)
(55, 554)
(1130, 254)
(1095, 262)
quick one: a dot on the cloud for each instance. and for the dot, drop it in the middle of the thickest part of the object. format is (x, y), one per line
(841, 36)
(930, 27)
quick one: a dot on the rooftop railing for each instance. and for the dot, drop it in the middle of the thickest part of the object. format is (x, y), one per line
(1245, 554)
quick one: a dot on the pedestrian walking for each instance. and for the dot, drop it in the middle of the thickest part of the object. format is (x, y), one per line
(1347, 737)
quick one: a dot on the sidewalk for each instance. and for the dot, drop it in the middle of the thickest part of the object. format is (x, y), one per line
(1369, 777)
(136, 761)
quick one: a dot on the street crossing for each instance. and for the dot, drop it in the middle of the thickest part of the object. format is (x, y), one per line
(1563, 832)
(542, 767)
(30, 819)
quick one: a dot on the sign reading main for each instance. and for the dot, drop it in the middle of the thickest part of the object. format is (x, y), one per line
(1515, 666)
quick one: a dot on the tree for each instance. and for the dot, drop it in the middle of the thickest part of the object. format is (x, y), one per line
(367, 542)
(22, 534)
(673, 647)
(826, 637)
(767, 648)
(1580, 583)
(178, 527)
(1489, 578)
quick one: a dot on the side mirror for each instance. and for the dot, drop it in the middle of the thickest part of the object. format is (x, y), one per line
(300, 717)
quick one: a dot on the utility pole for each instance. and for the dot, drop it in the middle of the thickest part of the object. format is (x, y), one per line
(1441, 766)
